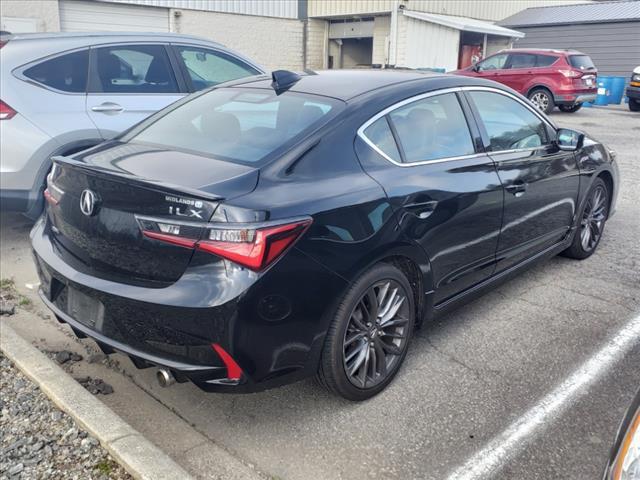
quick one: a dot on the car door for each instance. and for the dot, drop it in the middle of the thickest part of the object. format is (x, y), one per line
(205, 67)
(518, 70)
(447, 197)
(493, 67)
(129, 82)
(540, 181)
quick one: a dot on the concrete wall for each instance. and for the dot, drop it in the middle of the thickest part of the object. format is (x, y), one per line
(495, 44)
(45, 12)
(275, 43)
(381, 27)
(613, 47)
(317, 44)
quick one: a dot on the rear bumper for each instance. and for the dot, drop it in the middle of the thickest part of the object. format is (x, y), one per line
(574, 98)
(175, 327)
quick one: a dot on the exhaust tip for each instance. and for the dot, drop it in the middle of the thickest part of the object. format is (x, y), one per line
(165, 378)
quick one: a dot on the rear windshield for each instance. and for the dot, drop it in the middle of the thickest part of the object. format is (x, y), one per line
(242, 125)
(583, 62)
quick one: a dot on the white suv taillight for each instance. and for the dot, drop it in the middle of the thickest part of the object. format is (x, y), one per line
(6, 112)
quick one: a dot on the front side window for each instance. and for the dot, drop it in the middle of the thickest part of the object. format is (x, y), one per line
(494, 63)
(134, 69)
(522, 60)
(509, 124)
(237, 124)
(432, 128)
(67, 73)
(207, 67)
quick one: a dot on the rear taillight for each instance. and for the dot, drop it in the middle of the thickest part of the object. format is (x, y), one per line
(3, 43)
(6, 112)
(571, 73)
(255, 246)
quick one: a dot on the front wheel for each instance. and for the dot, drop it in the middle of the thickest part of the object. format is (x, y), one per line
(570, 108)
(368, 338)
(592, 221)
(634, 105)
(542, 99)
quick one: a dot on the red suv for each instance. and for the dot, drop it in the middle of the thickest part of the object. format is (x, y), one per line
(565, 78)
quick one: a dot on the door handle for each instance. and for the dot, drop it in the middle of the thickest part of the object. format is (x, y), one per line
(422, 210)
(517, 188)
(108, 107)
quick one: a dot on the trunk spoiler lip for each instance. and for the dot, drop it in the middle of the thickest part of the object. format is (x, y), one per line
(143, 182)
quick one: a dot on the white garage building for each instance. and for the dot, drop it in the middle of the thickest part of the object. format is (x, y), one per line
(298, 34)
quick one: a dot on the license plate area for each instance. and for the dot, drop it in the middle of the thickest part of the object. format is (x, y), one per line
(85, 309)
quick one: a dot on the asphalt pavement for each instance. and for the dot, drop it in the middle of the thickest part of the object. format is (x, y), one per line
(505, 363)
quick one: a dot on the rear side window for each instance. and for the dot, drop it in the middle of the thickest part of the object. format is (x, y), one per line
(509, 124)
(133, 69)
(522, 60)
(235, 124)
(583, 62)
(432, 128)
(67, 73)
(545, 60)
(207, 67)
(379, 133)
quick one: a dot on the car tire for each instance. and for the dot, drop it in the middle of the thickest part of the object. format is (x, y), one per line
(634, 105)
(570, 108)
(542, 99)
(593, 218)
(357, 338)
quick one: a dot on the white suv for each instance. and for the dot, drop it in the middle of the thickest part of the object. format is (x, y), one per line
(63, 92)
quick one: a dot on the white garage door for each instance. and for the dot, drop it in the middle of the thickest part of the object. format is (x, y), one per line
(91, 15)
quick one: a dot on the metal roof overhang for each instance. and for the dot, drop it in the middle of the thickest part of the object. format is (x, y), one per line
(464, 23)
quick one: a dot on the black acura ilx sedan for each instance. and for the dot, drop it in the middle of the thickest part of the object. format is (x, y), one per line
(273, 229)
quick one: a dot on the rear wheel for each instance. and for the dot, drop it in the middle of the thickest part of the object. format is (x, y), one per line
(634, 105)
(542, 99)
(368, 338)
(570, 108)
(592, 221)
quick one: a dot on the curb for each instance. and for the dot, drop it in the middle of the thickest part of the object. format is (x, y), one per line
(140, 458)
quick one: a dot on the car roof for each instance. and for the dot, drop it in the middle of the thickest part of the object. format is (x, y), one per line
(79, 35)
(543, 50)
(345, 84)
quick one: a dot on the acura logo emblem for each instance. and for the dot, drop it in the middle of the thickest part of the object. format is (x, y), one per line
(88, 202)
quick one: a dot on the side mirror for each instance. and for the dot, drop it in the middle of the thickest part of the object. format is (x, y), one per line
(569, 140)
(475, 67)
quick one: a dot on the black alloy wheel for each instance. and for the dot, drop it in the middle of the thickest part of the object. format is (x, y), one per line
(368, 339)
(592, 222)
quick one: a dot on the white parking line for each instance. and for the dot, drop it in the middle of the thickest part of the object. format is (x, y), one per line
(504, 446)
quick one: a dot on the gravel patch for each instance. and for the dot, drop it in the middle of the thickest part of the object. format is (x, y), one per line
(39, 441)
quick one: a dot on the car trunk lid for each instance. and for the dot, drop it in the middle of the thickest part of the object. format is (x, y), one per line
(98, 197)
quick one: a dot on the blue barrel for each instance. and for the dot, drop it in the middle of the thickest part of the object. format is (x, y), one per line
(617, 90)
(604, 88)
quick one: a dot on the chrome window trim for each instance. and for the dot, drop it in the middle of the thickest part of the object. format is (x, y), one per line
(406, 101)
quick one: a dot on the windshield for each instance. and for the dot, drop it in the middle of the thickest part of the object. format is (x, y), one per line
(583, 62)
(238, 124)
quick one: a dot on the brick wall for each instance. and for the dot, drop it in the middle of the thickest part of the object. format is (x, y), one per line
(317, 31)
(275, 43)
(381, 27)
